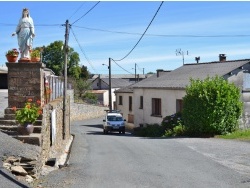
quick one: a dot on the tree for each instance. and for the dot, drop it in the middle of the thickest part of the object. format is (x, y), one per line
(84, 73)
(211, 106)
(53, 57)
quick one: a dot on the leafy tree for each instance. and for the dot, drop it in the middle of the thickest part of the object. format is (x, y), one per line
(73, 68)
(53, 57)
(211, 106)
(81, 87)
(84, 73)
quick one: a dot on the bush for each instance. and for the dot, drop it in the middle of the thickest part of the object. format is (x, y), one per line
(173, 125)
(211, 106)
(90, 98)
(178, 130)
(151, 130)
(169, 122)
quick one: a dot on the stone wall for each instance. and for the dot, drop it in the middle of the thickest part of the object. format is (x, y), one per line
(86, 111)
(54, 135)
(79, 111)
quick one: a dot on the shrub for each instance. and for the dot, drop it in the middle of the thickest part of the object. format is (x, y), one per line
(211, 106)
(169, 122)
(173, 125)
(178, 130)
(151, 130)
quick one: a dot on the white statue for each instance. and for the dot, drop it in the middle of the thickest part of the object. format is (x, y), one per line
(25, 33)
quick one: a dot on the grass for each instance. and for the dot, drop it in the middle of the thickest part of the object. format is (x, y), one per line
(238, 135)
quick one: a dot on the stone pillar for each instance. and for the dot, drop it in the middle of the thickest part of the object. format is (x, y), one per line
(25, 81)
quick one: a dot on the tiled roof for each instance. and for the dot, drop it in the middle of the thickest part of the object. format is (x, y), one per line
(116, 82)
(128, 89)
(124, 76)
(180, 77)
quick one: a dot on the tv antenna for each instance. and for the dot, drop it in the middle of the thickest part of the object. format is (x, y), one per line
(182, 53)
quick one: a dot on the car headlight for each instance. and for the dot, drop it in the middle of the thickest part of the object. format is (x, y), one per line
(108, 123)
(123, 124)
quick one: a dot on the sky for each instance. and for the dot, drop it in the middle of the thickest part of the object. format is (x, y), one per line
(111, 29)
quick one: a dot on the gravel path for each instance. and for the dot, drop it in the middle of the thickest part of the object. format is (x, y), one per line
(14, 147)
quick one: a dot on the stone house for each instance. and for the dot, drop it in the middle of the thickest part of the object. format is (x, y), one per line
(151, 99)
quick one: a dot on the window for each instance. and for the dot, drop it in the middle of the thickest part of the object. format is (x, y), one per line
(179, 105)
(156, 107)
(120, 100)
(130, 103)
(141, 102)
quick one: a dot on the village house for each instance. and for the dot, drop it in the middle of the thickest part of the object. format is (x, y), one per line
(100, 87)
(151, 99)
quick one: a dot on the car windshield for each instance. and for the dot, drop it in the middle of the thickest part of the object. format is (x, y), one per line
(114, 118)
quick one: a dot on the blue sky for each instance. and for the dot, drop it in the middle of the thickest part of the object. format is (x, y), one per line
(225, 27)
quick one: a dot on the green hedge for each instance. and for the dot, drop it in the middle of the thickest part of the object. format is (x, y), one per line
(211, 106)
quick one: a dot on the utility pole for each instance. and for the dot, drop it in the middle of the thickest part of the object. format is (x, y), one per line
(135, 72)
(66, 50)
(110, 94)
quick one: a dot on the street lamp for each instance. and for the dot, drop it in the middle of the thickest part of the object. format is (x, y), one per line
(110, 94)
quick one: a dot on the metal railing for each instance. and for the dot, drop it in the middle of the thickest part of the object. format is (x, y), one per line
(53, 87)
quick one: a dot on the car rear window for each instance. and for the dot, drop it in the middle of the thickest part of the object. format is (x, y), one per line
(114, 118)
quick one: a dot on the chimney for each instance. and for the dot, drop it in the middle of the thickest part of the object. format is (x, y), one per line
(159, 71)
(222, 57)
(197, 59)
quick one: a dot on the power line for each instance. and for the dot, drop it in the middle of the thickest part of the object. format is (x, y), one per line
(83, 51)
(76, 10)
(143, 33)
(161, 35)
(120, 66)
(86, 13)
(35, 25)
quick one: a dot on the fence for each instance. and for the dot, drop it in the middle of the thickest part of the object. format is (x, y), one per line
(54, 87)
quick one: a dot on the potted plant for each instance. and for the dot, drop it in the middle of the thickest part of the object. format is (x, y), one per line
(35, 56)
(27, 115)
(12, 55)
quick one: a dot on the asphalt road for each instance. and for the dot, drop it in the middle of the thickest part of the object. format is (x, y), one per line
(125, 161)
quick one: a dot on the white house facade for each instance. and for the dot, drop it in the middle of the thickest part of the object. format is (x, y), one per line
(161, 94)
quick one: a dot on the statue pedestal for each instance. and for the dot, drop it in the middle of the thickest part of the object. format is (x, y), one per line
(25, 81)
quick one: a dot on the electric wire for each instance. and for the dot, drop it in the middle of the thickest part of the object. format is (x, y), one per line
(86, 13)
(139, 67)
(76, 10)
(83, 51)
(149, 34)
(121, 66)
(164, 35)
(36, 24)
(142, 34)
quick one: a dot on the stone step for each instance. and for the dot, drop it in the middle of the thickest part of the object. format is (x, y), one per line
(12, 130)
(14, 122)
(34, 138)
